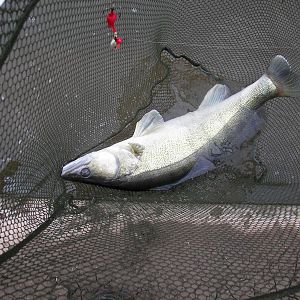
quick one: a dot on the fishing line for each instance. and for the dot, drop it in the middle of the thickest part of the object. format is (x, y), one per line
(208, 46)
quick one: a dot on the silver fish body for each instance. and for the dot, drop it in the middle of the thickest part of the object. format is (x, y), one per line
(163, 154)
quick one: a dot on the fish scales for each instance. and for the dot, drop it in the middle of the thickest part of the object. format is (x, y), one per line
(161, 155)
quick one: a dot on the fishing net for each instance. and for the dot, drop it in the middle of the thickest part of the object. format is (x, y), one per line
(230, 234)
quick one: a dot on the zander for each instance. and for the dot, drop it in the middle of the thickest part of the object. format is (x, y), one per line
(163, 154)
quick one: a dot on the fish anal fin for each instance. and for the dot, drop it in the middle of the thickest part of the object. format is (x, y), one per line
(149, 122)
(202, 166)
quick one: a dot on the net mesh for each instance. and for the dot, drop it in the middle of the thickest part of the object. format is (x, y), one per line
(233, 234)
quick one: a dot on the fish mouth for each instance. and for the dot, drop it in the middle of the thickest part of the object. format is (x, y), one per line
(73, 168)
(67, 170)
(64, 173)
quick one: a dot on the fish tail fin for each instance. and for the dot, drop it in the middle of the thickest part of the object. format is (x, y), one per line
(286, 82)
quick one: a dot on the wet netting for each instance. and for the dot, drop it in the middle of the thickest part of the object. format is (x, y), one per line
(230, 234)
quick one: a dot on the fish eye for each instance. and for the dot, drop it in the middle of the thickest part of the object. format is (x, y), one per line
(85, 172)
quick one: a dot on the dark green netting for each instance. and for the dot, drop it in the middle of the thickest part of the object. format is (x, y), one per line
(232, 234)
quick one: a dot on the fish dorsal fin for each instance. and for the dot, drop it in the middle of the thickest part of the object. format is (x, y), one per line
(136, 149)
(148, 123)
(215, 95)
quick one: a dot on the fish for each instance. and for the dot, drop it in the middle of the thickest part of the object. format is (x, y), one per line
(163, 154)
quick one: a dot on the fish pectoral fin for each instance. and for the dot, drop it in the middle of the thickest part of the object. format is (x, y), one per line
(148, 123)
(136, 149)
(215, 95)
